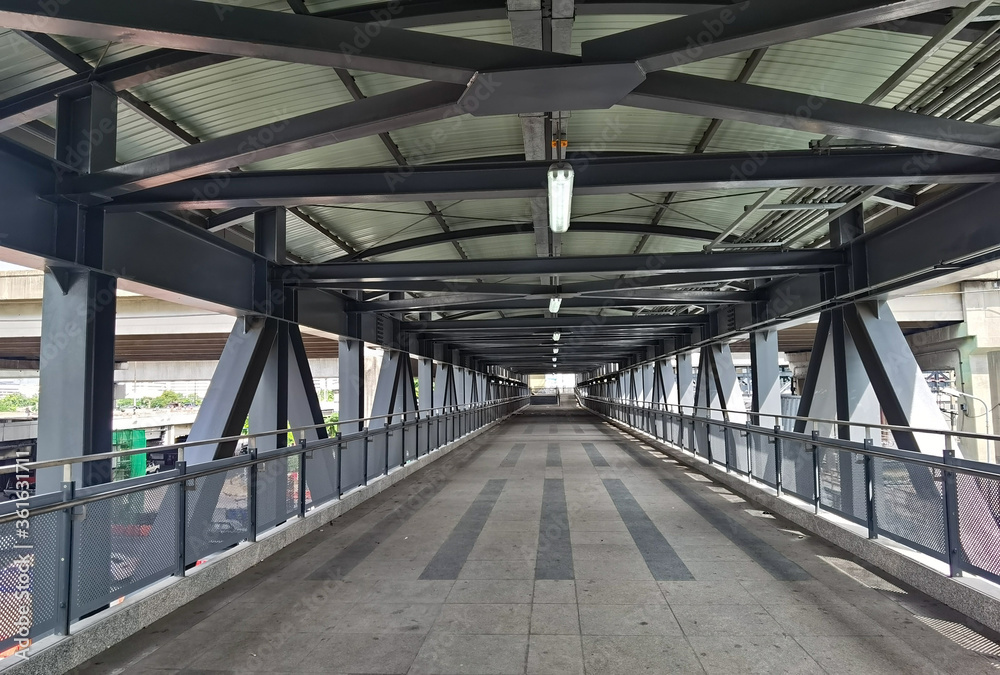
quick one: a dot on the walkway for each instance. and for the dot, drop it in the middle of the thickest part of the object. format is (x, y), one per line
(555, 544)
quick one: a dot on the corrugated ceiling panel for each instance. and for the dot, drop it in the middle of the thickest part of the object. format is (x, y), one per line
(229, 97)
(510, 246)
(482, 212)
(622, 129)
(460, 137)
(623, 208)
(365, 226)
(24, 67)
(438, 252)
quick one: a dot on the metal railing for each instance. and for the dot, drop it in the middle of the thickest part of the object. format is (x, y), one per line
(74, 552)
(944, 507)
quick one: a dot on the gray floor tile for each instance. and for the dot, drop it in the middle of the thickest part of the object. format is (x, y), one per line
(451, 654)
(555, 619)
(771, 655)
(484, 619)
(627, 655)
(608, 591)
(550, 654)
(491, 591)
(553, 590)
(628, 620)
(725, 620)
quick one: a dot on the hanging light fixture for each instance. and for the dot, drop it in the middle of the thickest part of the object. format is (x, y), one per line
(556, 336)
(560, 196)
(554, 304)
(555, 350)
(553, 358)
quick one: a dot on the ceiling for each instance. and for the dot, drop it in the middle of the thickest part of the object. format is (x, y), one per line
(933, 58)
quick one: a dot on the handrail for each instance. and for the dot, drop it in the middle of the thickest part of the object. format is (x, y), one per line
(908, 456)
(227, 464)
(180, 447)
(814, 420)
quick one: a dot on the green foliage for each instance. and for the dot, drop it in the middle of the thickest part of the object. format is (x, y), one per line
(18, 403)
(167, 399)
(331, 423)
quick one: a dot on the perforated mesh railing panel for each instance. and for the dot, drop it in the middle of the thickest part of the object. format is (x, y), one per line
(717, 443)
(740, 460)
(842, 484)
(122, 544)
(40, 579)
(276, 492)
(323, 462)
(909, 506)
(797, 468)
(762, 458)
(352, 464)
(217, 513)
(979, 524)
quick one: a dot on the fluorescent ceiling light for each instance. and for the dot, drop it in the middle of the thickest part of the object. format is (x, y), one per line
(556, 336)
(555, 350)
(554, 305)
(560, 196)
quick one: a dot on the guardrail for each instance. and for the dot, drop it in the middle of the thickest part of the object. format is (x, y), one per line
(66, 555)
(945, 507)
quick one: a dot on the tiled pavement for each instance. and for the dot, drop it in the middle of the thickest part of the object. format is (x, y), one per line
(554, 544)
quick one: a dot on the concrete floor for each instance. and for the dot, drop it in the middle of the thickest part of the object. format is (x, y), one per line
(555, 544)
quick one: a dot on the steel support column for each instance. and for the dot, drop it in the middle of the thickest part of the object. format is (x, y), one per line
(766, 378)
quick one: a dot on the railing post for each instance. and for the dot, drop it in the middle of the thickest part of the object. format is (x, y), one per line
(303, 456)
(388, 437)
(870, 491)
(64, 576)
(364, 444)
(816, 476)
(340, 466)
(252, 493)
(181, 467)
(749, 451)
(727, 442)
(951, 525)
(777, 460)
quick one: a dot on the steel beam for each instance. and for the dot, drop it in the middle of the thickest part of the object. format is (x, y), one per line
(233, 388)
(119, 76)
(378, 114)
(709, 97)
(493, 303)
(766, 378)
(733, 264)
(742, 27)
(587, 322)
(239, 31)
(527, 228)
(599, 176)
(76, 373)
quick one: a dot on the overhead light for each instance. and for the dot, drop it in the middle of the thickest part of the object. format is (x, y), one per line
(553, 358)
(555, 350)
(560, 196)
(556, 336)
(554, 304)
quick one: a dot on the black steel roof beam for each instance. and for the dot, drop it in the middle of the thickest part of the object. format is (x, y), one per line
(493, 303)
(412, 105)
(121, 75)
(709, 97)
(729, 265)
(617, 175)
(527, 228)
(588, 322)
(743, 27)
(240, 31)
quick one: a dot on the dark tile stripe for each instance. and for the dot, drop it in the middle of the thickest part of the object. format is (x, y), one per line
(510, 461)
(529, 428)
(555, 552)
(776, 564)
(341, 564)
(448, 561)
(553, 429)
(552, 458)
(577, 429)
(596, 458)
(640, 457)
(661, 559)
